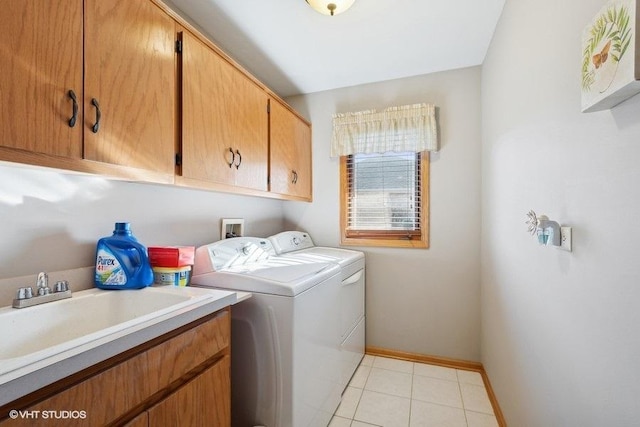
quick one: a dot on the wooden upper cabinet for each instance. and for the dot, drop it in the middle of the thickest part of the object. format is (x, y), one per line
(224, 120)
(290, 153)
(130, 79)
(96, 86)
(40, 62)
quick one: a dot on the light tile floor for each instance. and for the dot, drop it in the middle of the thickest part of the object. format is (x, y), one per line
(389, 392)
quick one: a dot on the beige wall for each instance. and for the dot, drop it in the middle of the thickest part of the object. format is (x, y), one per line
(51, 221)
(560, 331)
(423, 301)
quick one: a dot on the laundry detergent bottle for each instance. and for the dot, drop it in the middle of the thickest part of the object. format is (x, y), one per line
(121, 261)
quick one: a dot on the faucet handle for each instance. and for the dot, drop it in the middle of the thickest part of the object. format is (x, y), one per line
(61, 286)
(24, 293)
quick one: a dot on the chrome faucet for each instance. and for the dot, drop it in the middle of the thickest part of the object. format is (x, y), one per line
(42, 284)
(25, 297)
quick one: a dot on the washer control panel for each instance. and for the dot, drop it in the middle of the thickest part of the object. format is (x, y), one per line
(227, 253)
(289, 241)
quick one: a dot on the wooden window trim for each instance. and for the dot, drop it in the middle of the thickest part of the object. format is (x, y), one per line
(387, 239)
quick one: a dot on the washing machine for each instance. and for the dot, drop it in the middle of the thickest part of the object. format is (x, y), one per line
(285, 352)
(299, 245)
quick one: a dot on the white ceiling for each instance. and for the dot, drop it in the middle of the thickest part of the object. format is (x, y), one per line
(295, 50)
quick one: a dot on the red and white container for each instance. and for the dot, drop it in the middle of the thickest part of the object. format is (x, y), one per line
(171, 256)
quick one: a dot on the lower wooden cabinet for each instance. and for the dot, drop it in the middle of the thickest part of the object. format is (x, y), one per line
(182, 379)
(141, 420)
(203, 402)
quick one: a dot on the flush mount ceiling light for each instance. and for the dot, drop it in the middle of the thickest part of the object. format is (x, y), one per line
(330, 7)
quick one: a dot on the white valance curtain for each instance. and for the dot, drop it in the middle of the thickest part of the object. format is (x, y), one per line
(410, 128)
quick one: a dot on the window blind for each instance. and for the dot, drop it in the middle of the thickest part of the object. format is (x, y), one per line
(384, 195)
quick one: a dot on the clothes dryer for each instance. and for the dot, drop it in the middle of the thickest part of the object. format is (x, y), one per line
(285, 338)
(298, 245)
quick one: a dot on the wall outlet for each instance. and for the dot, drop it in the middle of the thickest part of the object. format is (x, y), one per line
(565, 238)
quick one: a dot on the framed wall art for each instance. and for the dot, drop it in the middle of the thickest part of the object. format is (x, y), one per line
(610, 62)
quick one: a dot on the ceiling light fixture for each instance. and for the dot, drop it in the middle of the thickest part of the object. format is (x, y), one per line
(330, 7)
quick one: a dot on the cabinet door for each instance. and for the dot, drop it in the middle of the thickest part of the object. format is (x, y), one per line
(141, 420)
(224, 120)
(40, 62)
(290, 153)
(130, 72)
(204, 401)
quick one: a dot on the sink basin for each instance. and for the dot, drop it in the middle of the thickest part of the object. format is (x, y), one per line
(28, 330)
(36, 336)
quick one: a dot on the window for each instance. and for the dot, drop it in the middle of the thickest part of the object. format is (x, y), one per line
(384, 174)
(384, 200)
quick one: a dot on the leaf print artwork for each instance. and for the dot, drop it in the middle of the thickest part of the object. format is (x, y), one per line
(611, 28)
(610, 63)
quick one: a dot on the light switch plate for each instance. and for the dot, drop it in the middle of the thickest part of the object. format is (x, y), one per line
(565, 238)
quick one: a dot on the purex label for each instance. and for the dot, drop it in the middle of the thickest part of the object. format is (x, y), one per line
(108, 269)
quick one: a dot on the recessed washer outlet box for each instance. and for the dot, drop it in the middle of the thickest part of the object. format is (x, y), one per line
(232, 227)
